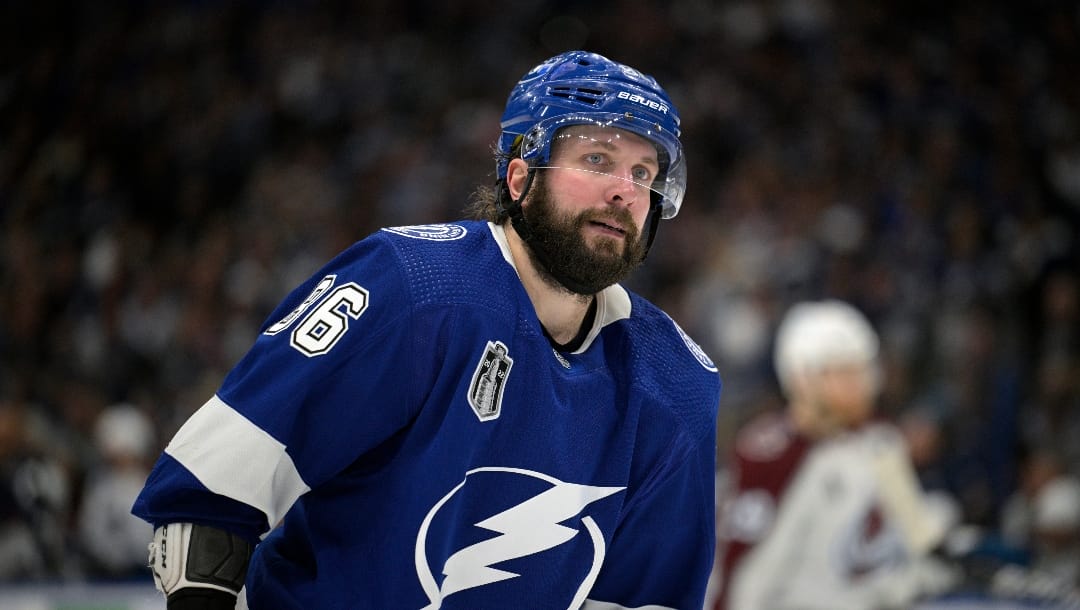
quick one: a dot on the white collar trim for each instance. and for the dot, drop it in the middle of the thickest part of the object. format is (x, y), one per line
(612, 303)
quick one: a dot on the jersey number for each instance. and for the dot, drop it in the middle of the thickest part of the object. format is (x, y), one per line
(321, 329)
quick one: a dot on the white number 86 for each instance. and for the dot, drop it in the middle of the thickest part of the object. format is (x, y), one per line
(321, 329)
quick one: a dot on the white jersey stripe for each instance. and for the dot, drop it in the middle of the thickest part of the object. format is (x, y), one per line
(595, 605)
(235, 458)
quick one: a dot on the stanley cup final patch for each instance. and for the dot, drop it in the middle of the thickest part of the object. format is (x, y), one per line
(489, 380)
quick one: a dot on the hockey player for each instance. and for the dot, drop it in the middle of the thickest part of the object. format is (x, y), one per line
(469, 415)
(824, 510)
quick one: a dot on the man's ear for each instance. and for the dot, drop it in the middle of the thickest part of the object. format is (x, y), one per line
(516, 172)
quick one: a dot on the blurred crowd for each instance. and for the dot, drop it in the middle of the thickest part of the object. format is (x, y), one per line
(169, 170)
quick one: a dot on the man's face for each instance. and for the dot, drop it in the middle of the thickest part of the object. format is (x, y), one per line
(848, 391)
(588, 207)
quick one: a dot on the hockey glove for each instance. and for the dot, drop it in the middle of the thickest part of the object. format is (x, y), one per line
(198, 566)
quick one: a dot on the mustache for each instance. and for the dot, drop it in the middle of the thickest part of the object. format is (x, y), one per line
(618, 216)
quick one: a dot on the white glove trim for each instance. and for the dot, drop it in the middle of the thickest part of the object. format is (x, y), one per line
(169, 557)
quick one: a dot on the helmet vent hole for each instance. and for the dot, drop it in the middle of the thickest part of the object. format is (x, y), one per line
(579, 94)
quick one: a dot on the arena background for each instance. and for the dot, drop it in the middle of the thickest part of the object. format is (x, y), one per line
(168, 170)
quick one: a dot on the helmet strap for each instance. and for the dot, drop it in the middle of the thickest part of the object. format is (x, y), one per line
(655, 213)
(514, 210)
(512, 207)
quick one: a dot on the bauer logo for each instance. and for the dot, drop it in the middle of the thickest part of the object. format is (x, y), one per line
(644, 101)
(438, 232)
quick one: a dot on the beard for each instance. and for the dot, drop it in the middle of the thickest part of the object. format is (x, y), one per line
(563, 256)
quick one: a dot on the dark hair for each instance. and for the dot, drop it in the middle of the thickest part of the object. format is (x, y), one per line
(483, 203)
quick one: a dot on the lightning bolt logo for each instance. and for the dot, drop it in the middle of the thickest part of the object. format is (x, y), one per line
(530, 527)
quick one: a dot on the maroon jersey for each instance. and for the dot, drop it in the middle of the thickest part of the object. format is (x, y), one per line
(837, 523)
(767, 453)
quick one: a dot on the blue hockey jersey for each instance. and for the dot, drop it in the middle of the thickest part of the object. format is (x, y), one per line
(403, 435)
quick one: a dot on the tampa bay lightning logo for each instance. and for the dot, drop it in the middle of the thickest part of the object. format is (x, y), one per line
(695, 349)
(543, 516)
(436, 232)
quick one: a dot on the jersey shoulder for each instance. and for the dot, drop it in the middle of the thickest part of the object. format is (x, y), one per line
(668, 365)
(416, 265)
(659, 338)
(449, 262)
(768, 438)
(379, 283)
(767, 452)
(664, 353)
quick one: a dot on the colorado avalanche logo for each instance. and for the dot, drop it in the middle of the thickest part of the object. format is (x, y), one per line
(531, 527)
(869, 545)
(437, 232)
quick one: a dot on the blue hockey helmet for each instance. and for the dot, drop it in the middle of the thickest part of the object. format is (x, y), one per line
(577, 88)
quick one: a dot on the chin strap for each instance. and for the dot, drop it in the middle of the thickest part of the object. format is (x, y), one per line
(656, 211)
(513, 209)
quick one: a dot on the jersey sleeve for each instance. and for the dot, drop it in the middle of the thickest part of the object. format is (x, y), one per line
(330, 376)
(662, 552)
(766, 455)
(766, 568)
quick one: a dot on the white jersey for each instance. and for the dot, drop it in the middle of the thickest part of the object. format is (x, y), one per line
(838, 524)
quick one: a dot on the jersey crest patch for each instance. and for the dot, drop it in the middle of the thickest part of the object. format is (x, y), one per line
(435, 232)
(524, 519)
(695, 349)
(489, 380)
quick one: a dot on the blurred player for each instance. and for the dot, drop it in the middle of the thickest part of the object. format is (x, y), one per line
(469, 415)
(124, 436)
(825, 511)
(1042, 520)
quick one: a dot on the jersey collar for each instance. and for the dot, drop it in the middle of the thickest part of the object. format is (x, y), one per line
(612, 303)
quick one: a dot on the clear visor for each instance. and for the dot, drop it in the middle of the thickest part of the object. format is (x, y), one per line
(610, 146)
